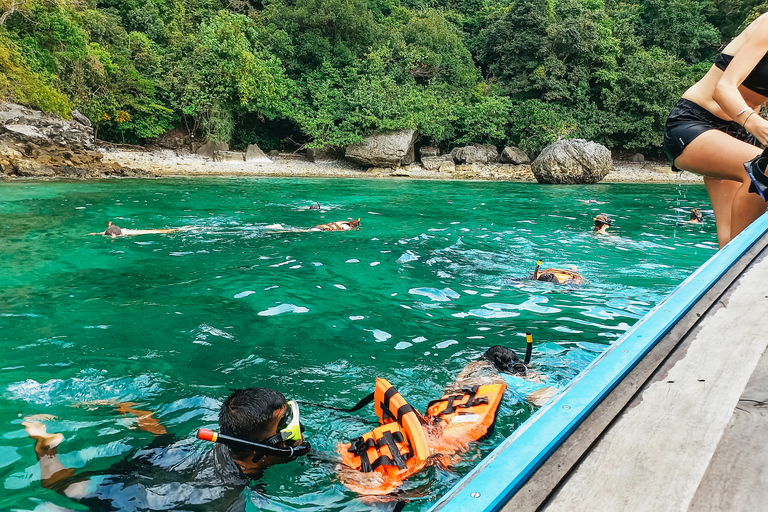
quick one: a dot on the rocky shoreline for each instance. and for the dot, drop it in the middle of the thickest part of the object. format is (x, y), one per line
(168, 163)
(34, 145)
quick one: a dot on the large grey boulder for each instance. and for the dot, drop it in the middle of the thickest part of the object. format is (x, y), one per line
(572, 162)
(514, 155)
(254, 154)
(476, 154)
(391, 149)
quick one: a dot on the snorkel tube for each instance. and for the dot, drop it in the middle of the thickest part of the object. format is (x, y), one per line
(536, 271)
(528, 347)
(263, 449)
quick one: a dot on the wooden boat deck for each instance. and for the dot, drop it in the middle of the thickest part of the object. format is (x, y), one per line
(680, 430)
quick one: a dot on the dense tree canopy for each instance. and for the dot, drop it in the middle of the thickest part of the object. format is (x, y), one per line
(291, 73)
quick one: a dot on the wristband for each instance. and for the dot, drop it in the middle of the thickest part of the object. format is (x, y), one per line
(742, 111)
(744, 124)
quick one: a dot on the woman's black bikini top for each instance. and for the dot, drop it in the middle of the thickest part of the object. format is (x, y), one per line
(756, 81)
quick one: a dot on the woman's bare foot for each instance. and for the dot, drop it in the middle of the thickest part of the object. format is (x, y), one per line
(45, 443)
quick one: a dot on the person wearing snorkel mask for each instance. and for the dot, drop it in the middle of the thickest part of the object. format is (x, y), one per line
(259, 428)
(602, 223)
(696, 217)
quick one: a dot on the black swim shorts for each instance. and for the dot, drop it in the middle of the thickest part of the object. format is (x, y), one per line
(688, 120)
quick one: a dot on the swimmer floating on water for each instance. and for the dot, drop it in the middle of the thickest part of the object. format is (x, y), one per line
(558, 275)
(343, 225)
(113, 230)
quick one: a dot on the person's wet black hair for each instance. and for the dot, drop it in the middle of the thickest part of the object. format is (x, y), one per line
(505, 360)
(246, 412)
(549, 277)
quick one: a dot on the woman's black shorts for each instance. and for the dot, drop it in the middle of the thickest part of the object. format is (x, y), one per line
(688, 120)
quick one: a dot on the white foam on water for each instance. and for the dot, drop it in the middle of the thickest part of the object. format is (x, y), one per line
(244, 294)
(283, 308)
(446, 294)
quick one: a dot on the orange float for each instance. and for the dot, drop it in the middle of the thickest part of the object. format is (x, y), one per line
(405, 441)
(396, 449)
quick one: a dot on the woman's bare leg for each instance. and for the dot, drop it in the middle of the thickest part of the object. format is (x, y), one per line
(719, 156)
(721, 194)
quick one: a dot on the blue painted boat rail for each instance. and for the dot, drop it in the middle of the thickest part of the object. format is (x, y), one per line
(501, 474)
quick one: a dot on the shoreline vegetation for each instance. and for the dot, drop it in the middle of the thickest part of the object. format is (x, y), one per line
(290, 74)
(168, 163)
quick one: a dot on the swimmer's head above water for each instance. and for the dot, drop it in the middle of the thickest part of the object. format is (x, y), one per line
(261, 429)
(602, 222)
(113, 230)
(505, 360)
(695, 216)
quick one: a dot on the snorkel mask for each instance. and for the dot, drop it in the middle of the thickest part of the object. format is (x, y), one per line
(289, 428)
(289, 431)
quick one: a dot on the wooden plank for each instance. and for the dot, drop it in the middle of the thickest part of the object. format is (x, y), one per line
(737, 477)
(537, 489)
(656, 453)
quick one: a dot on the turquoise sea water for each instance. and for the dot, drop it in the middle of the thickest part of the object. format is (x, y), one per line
(174, 321)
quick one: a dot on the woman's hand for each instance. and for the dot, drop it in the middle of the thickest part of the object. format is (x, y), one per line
(757, 125)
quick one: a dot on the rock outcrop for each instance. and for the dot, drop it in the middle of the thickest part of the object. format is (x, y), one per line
(37, 145)
(514, 155)
(392, 149)
(572, 162)
(476, 154)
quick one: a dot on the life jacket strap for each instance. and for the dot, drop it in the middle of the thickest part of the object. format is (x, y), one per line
(360, 448)
(472, 400)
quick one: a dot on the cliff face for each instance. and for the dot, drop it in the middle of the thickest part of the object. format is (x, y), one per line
(37, 145)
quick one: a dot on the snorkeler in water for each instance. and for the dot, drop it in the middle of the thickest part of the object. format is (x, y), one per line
(405, 442)
(114, 231)
(558, 275)
(696, 216)
(602, 223)
(259, 428)
(343, 225)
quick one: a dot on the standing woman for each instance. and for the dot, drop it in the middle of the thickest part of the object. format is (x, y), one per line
(716, 128)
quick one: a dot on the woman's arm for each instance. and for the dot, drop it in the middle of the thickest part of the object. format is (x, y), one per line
(727, 95)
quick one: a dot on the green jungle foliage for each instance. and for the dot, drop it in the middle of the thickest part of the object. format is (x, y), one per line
(292, 73)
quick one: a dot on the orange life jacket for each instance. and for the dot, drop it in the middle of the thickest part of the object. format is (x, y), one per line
(401, 446)
(396, 449)
(463, 417)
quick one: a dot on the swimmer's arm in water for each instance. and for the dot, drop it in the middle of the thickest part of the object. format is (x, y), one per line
(144, 419)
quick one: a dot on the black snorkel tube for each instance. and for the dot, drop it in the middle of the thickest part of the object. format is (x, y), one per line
(536, 271)
(528, 348)
(263, 449)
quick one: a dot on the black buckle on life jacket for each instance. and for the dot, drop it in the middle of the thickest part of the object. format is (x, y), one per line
(472, 400)
(360, 447)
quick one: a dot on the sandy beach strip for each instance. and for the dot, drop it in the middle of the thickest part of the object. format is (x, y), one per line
(167, 163)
